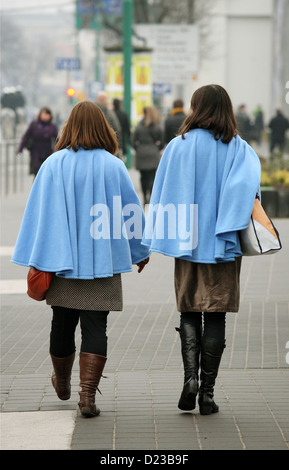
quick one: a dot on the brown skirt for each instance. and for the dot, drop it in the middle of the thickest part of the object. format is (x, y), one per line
(207, 287)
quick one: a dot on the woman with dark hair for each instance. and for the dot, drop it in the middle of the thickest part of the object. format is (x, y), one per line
(75, 226)
(39, 139)
(124, 124)
(206, 182)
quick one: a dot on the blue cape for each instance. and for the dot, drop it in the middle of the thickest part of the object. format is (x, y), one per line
(78, 220)
(203, 194)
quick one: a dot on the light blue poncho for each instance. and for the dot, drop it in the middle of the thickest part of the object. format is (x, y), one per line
(203, 195)
(77, 222)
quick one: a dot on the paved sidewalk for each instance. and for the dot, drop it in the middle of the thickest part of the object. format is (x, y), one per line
(144, 369)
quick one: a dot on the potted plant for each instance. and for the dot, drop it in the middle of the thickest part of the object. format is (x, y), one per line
(269, 194)
(275, 185)
(280, 181)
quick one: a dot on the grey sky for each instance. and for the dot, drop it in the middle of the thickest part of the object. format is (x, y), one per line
(30, 5)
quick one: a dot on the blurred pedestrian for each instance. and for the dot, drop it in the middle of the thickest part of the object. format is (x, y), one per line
(67, 229)
(207, 182)
(243, 123)
(103, 102)
(174, 121)
(278, 125)
(124, 123)
(147, 141)
(258, 123)
(39, 139)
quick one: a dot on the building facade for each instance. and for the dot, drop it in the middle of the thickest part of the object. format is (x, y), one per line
(248, 54)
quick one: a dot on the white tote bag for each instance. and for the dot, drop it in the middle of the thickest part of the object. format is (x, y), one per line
(261, 237)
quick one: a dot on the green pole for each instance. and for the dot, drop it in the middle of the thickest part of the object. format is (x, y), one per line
(127, 59)
(97, 47)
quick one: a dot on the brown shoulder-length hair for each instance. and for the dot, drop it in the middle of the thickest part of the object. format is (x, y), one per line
(88, 128)
(211, 108)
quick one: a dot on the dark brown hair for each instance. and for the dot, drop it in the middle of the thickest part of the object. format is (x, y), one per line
(211, 108)
(47, 111)
(178, 104)
(88, 128)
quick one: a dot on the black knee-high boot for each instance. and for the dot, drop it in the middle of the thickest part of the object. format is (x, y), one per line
(211, 354)
(190, 344)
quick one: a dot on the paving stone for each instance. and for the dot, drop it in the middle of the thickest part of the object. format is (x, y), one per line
(144, 368)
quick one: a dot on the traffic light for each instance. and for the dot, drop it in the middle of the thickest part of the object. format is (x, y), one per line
(70, 91)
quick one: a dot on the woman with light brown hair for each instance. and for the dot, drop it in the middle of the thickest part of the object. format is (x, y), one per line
(69, 229)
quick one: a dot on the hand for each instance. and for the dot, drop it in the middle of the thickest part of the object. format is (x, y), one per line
(142, 264)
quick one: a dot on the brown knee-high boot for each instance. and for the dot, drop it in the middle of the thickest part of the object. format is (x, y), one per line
(91, 368)
(61, 375)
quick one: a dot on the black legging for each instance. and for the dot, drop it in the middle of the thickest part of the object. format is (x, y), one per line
(93, 331)
(214, 323)
(147, 181)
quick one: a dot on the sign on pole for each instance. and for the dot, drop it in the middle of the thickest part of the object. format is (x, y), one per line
(89, 12)
(67, 63)
(160, 89)
(98, 7)
(175, 51)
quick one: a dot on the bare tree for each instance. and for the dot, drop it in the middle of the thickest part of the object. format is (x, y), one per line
(28, 58)
(13, 54)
